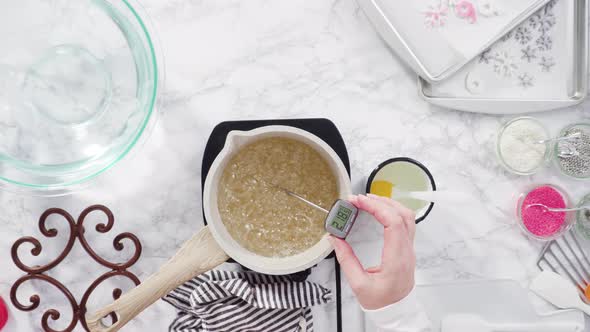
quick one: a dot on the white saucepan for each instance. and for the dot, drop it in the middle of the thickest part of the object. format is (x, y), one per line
(213, 245)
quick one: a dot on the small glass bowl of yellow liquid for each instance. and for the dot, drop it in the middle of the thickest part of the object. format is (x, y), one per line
(398, 178)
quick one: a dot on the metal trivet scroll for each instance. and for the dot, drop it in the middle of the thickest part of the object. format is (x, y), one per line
(76, 232)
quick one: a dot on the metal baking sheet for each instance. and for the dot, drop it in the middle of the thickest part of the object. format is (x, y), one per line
(438, 37)
(540, 65)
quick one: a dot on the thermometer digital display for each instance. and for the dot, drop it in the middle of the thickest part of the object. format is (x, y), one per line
(340, 218)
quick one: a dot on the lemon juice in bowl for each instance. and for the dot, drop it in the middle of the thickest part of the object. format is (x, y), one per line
(405, 180)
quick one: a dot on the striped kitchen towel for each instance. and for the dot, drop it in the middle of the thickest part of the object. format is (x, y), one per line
(222, 301)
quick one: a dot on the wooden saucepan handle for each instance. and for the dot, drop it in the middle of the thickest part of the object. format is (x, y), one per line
(198, 255)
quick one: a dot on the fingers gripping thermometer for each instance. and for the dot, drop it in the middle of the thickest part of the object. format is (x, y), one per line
(340, 217)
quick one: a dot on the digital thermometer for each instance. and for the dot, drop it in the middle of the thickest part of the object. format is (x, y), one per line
(340, 218)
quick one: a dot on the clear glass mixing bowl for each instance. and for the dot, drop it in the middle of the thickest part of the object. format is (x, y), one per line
(78, 87)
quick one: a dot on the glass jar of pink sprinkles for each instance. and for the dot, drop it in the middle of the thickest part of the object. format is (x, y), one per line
(534, 217)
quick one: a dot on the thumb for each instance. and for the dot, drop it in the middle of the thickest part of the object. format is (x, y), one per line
(352, 268)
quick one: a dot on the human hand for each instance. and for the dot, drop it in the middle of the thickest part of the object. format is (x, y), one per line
(391, 281)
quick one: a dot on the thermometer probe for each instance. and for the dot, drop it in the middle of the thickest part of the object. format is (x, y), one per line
(341, 215)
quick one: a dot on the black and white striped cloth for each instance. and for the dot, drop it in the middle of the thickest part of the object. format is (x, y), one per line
(222, 301)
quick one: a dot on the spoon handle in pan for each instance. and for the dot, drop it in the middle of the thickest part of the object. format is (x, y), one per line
(198, 255)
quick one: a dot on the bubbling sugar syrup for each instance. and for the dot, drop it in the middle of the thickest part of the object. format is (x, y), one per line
(264, 219)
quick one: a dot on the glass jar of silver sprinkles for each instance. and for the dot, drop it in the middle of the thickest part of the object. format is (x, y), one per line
(572, 152)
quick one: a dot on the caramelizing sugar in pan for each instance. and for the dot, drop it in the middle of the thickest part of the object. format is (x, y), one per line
(264, 219)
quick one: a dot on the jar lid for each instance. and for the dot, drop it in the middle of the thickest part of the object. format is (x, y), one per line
(396, 176)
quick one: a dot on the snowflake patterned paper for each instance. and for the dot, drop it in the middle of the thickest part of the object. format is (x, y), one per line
(504, 64)
(529, 53)
(437, 37)
(532, 61)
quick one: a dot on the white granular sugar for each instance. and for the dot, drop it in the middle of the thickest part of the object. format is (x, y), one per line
(518, 145)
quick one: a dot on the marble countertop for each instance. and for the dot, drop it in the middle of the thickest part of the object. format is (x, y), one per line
(259, 59)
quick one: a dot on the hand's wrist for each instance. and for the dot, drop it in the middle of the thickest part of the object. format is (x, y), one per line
(373, 302)
(408, 299)
(405, 313)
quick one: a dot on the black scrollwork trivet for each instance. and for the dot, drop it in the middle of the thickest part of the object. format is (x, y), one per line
(76, 232)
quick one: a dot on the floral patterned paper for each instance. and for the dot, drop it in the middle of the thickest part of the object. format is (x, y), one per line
(436, 15)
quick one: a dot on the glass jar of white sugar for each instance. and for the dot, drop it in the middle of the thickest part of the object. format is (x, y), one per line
(520, 147)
